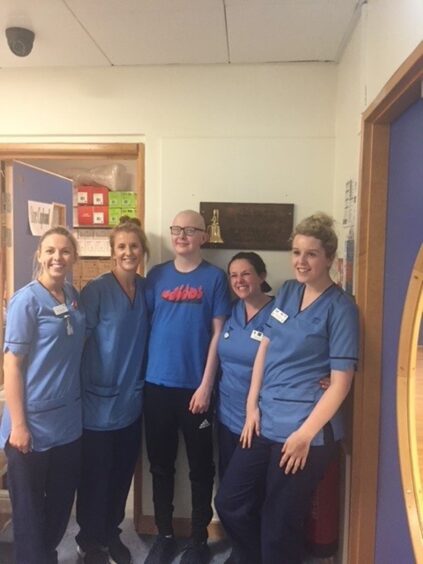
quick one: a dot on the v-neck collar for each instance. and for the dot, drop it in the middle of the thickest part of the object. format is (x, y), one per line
(52, 295)
(132, 302)
(300, 301)
(244, 311)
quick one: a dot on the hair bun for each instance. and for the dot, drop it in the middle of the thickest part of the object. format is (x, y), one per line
(126, 219)
(322, 218)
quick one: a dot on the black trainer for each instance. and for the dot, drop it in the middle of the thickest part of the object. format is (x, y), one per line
(196, 552)
(162, 551)
(93, 555)
(118, 552)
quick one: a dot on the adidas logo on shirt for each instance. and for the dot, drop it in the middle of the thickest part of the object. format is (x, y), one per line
(204, 424)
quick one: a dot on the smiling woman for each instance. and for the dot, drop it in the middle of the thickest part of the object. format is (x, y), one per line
(112, 392)
(292, 427)
(41, 426)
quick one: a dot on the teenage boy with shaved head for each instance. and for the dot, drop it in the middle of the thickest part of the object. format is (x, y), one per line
(189, 300)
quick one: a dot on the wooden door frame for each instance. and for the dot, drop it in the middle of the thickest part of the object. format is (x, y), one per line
(400, 92)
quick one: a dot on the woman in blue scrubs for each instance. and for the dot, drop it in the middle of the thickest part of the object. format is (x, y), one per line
(237, 347)
(112, 390)
(41, 425)
(293, 426)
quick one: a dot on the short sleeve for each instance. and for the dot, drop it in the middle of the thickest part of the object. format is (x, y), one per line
(90, 300)
(150, 289)
(21, 323)
(344, 335)
(222, 300)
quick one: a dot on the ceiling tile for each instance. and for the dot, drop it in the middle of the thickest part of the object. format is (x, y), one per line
(287, 30)
(59, 38)
(136, 32)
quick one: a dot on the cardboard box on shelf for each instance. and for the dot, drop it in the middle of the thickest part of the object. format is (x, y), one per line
(93, 242)
(115, 200)
(114, 215)
(104, 265)
(93, 215)
(84, 282)
(128, 199)
(130, 212)
(76, 282)
(93, 195)
(76, 270)
(89, 268)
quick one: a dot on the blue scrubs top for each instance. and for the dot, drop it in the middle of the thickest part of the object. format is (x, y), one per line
(237, 348)
(113, 357)
(304, 347)
(183, 306)
(51, 343)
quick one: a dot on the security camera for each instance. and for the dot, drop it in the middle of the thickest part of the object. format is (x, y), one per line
(20, 40)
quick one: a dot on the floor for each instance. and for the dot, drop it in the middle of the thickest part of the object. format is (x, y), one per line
(139, 546)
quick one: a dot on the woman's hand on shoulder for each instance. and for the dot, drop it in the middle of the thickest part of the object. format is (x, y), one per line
(294, 452)
(251, 427)
(20, 438)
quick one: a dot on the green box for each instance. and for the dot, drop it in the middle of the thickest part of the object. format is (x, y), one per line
(115, 199)
(131, 212)
(114, 215)
(128, 200)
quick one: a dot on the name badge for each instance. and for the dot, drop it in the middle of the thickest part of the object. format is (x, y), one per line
(256, 335)
(60, 309)
(279, 315)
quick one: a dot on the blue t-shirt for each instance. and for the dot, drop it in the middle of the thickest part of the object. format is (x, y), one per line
(237, 348)
(183, 306)
(304, 347)
(113, 357)
(51, 341)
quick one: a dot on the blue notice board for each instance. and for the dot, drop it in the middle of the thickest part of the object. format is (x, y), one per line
(31, 183)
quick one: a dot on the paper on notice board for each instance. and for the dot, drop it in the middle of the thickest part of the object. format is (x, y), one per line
(42, 216)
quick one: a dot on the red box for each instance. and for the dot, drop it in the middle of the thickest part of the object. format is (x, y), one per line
(93, 196)
(93, 215)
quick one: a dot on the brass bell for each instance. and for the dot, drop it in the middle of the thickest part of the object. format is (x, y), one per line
(213, 229)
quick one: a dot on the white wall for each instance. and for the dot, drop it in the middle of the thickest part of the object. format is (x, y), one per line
(387, 32)
(262, 133)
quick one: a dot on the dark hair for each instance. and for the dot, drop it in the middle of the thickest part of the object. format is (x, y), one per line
(256, 262)
(58, 230)
(320, 226)
(130, 225)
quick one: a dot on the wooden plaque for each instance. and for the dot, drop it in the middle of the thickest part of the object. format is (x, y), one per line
(265, 227)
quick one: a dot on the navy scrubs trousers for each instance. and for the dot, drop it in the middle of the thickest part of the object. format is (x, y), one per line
(271, 531)
(108, 464)
(227, 441)
(42, 488)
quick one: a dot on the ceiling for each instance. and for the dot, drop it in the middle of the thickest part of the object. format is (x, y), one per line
(81, 33)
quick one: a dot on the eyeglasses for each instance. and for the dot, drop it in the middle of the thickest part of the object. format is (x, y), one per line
(187, 231)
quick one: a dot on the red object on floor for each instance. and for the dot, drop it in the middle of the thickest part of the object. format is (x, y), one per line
(322, 524)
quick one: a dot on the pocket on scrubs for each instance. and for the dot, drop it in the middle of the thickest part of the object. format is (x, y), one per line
(45, 417)
(102, 391)
(45, 405)
(100, 405)
(232, 409)
(288, 413)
